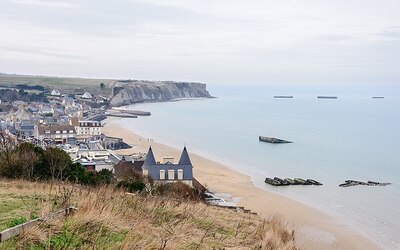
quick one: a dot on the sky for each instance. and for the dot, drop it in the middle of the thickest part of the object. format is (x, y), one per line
(211, 41)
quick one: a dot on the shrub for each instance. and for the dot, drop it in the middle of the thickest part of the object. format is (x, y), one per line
(178, 190)
(132, 186)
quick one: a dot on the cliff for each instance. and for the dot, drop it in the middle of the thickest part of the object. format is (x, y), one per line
(129, 92)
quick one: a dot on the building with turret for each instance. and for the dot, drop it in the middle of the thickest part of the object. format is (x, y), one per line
(168, 171)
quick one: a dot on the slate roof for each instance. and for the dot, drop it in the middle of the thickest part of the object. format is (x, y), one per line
(150, 159)
(184, 160)
(53, 129)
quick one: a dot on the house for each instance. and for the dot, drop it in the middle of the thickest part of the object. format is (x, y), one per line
(19, 103)
(32, 109)
(88, 164)
(87, 129)
(86, 95)
(21, 114)
(168, 171)
(68, 102)
(60, 134)
(46, 111)
(73, 111)
(26, 129)
(128, 169)
(3, 126)
(56, 92)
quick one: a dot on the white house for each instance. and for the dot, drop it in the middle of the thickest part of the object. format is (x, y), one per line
(56, 92)
(87, 129)
(86, 95)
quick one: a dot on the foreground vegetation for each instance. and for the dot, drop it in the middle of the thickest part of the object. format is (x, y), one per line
(38, 181)
(108, 218)
(31, 162)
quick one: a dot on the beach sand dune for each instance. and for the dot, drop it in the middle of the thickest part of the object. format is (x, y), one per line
(314, 229)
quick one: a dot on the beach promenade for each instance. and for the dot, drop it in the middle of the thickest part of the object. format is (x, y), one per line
(314, 229)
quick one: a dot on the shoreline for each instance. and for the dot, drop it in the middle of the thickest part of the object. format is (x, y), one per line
(314, 228)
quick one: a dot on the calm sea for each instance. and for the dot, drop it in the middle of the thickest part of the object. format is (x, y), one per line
(352, 137)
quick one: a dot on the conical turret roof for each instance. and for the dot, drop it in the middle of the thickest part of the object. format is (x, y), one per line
(184, 160)
(150, 160)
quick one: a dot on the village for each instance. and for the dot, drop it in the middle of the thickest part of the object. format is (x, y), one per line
(70, 122)
(74, 124)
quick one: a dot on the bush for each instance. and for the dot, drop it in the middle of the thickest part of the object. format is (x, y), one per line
(102, 177)
(132, 186)
(178, 190)
(30, 162)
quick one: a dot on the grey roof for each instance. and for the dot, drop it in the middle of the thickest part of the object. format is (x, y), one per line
(184, 160)
(27, 127)
(150, 160)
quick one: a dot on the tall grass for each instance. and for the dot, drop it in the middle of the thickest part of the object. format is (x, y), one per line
(107, 218)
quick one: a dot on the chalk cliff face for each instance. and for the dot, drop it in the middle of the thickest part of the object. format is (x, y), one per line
(129, 92)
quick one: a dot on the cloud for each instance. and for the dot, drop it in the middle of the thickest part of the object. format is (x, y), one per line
(45, 3)
(42, 52)
(392, 33)
(211, 40)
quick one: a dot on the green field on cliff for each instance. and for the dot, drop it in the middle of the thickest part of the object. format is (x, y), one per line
(52, 81)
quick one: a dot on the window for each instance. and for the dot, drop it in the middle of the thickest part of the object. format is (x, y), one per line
(180, 174)
(64, 131)
(171, 174)
(71, 131)
(58, 131)
(162, 174)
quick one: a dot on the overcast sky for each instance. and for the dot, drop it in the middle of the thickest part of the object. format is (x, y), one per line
(211, 41)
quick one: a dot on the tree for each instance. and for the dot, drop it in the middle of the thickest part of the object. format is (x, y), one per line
(57, 161)
(27, 159)
(76, 173)
(102, 85)
(8, 156)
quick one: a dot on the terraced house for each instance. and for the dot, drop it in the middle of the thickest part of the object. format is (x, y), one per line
(60, 134)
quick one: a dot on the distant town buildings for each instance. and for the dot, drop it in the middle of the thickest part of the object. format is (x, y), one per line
(70, 122)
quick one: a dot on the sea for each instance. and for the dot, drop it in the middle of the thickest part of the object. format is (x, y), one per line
(352, 137)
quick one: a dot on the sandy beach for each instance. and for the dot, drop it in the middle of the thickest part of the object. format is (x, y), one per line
(314, 229)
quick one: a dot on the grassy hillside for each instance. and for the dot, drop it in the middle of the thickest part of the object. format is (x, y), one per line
(59, 82)
(110, 219)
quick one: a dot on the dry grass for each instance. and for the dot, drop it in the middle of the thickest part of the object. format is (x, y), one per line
(110, 219)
